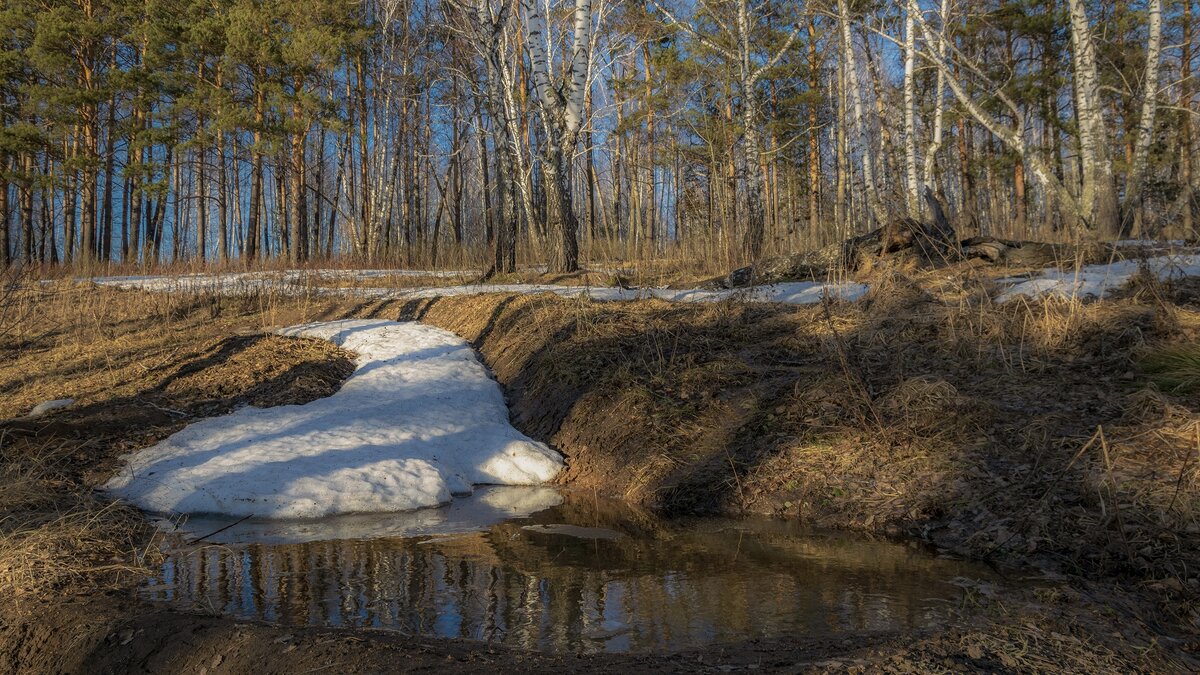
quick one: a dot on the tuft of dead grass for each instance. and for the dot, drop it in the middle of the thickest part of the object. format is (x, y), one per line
(56, 536)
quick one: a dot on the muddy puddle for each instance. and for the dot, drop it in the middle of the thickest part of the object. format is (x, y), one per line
(536, 569)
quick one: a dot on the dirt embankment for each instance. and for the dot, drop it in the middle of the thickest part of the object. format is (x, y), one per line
(1018, 432)
(1023, 433)
(1054, 434)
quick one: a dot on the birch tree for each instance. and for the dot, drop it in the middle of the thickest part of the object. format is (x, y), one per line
(1098, 193)
(912, 189)
(487, 24)
(855, 92)
(939, 101)
(1145, 127)
(1095, 208)
(561, 104)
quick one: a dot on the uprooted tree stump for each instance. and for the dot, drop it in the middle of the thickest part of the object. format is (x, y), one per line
(934, 244)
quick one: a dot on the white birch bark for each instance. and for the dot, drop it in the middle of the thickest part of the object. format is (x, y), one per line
(912, 186)
(1145, 128)
(939, 104)
(1098, 193)
(856, 108)
(581, 63)
(562, 108)
(755, 213)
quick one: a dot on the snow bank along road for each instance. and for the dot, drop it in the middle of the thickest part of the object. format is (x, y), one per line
(1086, 283)
(418, 421)
(298, 282)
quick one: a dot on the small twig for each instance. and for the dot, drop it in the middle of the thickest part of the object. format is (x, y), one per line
(169, 411)
(1183, 469)
(1112, 488)
(197, 540)
(736, 479)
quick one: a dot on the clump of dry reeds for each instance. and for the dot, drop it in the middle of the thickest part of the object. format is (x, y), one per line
(57, 536)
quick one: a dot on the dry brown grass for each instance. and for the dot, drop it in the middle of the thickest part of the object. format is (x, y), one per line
(55, 537)
(139, 367)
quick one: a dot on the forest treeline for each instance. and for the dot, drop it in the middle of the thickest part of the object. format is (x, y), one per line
(487, 131)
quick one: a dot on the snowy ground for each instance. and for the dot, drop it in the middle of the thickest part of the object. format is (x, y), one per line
(419, 420)
(297, 282)
(284, 280)
(796, 293)
(1096, 281)
(1086, 283)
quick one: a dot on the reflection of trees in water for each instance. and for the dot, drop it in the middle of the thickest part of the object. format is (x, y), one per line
(685, 587)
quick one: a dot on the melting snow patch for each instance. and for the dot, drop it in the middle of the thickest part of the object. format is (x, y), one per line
(48, 406)
(795, 293)
(1096, 281)
(418, 420)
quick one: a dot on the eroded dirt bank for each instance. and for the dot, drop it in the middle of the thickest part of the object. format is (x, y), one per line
(1016, 433)
(1026, 434)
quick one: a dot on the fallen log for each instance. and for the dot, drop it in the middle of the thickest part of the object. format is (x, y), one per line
(1035, 253)
(934, 243)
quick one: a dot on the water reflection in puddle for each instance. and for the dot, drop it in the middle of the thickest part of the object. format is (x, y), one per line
(534, 569)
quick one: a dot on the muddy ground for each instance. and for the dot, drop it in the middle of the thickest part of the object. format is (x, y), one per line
(1046, 436)
(116, 634)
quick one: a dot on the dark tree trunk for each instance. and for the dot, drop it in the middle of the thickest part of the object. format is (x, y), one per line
(299, 229)
(105, 240)
(560, 210)
(5, 255)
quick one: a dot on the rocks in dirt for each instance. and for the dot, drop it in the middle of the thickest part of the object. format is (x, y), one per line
(48, 406)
